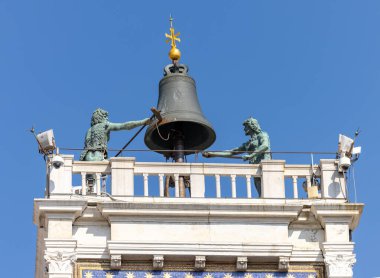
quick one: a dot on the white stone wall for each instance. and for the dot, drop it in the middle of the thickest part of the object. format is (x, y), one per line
(293, 232)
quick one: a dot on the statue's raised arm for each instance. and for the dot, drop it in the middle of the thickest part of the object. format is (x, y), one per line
(98, 135)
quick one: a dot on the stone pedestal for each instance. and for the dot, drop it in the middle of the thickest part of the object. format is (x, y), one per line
(333, 183)
(60, 180)
(272, 179)
(122, 176)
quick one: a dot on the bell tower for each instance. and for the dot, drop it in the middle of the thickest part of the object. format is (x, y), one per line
(222, 230)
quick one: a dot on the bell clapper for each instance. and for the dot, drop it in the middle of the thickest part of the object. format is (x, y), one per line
(179, 157)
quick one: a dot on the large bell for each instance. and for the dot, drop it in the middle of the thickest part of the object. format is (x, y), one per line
(182, 122)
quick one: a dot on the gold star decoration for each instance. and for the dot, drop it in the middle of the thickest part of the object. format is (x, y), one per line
(148, 275)
(311, 276)
(189, 275)
(208, 275)
(109, 275)
(167, 275)
(248, 275)
(290, 276)
(88, 274)
(269, 276)
(227, 275)
(130, 275)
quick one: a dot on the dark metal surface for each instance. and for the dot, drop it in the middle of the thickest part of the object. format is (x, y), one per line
(181, 112)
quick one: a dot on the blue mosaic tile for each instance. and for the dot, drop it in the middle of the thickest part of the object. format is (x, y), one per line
(90, 273)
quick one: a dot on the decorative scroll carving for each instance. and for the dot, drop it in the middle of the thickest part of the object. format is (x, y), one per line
(200, 262)
(241, 263)
(340, 265)
(158, 262)
(60, 262)
(115, 262)
(283, 263)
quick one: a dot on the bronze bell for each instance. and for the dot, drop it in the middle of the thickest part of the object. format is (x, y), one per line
(183, 126)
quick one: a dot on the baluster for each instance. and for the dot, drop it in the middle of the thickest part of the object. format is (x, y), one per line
(176, 182)
(295, 187)
(84, 186)
(161, 182)
(249, 193)
(146, 193)
(104, 184)
(97, 184)
(233, 186)
(217, 184)
(308, 181)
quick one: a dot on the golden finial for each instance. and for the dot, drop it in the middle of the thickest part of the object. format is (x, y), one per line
(174, 53)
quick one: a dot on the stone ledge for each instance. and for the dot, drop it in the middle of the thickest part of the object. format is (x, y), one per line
(200, 249)
(205, 210)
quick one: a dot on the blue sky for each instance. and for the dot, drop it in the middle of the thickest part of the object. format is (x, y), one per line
(307, 70)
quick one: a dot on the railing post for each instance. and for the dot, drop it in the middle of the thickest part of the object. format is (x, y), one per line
(333, 184)
(122, 174)
(197, 181)
(272, 179)
(308, 181)
(146, 188)
(60, 180)
(295, 187)
(84, 184)
(161, 182)
(249, 190)
(217, 185)
(233, 186)
(98, 191)
(176, 185)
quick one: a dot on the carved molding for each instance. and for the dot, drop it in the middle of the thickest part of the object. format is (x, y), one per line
(241, 263)
(200, 262)
(115, 262)
(60, 261)
(339, 265)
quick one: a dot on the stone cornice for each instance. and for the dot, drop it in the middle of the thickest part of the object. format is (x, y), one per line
(58, 207)
(186, 210)
(204, 249)
(338, 213)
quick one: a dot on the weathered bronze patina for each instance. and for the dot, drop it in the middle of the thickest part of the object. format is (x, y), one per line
(257, 147)
(98, 135)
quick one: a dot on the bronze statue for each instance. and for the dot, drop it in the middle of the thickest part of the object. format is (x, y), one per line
(257, 147)
(98, 135)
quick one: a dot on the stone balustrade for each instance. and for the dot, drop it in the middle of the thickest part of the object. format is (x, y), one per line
(123, 173)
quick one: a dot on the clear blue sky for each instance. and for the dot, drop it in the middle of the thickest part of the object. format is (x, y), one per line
(307, 70)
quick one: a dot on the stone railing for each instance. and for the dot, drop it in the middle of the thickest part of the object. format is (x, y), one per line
(124, 173)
